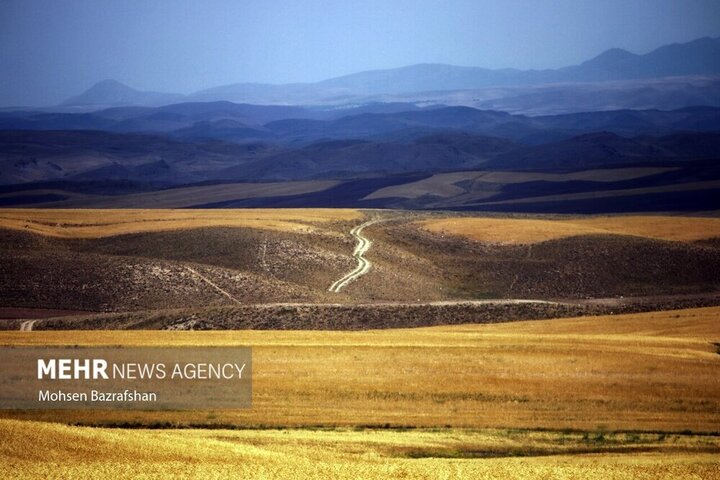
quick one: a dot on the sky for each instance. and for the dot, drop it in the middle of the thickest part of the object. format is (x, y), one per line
(53, 49)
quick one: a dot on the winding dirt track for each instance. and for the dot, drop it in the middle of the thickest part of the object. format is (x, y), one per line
(363, 264)
(27, 325)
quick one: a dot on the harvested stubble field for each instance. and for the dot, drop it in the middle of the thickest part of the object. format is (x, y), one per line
(626, 396)
(528, 230)
(90, 223)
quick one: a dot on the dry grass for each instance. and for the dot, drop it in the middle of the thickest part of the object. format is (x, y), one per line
(525, 231)
(653, 371)
(87, 223)
(36, 450)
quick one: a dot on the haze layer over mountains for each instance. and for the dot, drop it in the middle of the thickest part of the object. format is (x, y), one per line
(424, 82)
(615, 133)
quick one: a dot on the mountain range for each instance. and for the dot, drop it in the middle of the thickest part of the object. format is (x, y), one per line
(698, 58)
(621, 132)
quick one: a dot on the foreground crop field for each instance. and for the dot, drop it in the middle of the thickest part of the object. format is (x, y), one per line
(106, 223)
(524, 231)
(614, 397)
(36, 450)
(650, 372)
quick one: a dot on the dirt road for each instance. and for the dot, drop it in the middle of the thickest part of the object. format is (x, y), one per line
(27, 325)
(363, 264)
(212, 284)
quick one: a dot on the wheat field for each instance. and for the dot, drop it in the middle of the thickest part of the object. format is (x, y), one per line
(651, 371)
(41, 450)
(623, 396)
(527, 231)
(89, 223)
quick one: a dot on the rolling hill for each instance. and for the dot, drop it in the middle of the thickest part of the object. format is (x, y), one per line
(393, 123)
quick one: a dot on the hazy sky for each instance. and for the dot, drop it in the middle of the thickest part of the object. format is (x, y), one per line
(52, 49)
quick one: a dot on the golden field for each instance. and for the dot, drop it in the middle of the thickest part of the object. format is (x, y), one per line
(38, 450)
(89, 223)
(525, 231)
(617, 395)
(651, 371)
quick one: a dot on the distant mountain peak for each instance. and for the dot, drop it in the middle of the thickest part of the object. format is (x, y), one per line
(613, 54)
(112, 93)
(109, 83)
